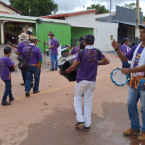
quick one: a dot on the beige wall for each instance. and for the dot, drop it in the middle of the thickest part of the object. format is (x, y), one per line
(6, 9)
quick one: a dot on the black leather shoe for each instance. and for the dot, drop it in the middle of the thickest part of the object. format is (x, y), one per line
(22, 84)
(79, 124)
(36, 92)
(51, 69)
(87, 128)
(27, 94)
(11, 99)
(5, 103)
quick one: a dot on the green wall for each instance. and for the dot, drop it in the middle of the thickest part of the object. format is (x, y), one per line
(77, 32)
(61, 31)
(34, 29)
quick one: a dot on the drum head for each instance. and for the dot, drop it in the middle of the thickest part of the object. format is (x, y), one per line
(118, 78)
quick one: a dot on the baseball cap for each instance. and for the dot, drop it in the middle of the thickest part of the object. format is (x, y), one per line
(7, 50)
(89, 39)
(81, 38)
(52, 35)
(124, 40)
(141, 26)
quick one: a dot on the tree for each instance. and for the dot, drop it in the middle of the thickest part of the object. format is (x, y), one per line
(101, 8)
(130, 6)
(144, 19)
(34, 7)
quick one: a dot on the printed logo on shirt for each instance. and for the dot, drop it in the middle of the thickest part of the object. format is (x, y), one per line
(137, 58)
(91, 56)
(28, 50)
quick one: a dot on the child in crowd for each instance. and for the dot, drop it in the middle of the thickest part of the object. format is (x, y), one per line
(5, 65)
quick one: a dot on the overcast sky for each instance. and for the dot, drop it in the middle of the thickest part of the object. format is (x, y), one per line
(76, 5)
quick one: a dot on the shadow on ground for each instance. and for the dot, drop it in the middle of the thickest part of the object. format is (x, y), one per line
(58, 129)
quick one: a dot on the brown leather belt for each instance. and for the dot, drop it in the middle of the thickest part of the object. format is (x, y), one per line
(32, 64)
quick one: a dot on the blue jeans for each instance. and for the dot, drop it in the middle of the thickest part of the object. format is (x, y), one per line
(125, 64)
(8, 91)
(132, 100)
(54, 58)
(23, 75)
(32, 70)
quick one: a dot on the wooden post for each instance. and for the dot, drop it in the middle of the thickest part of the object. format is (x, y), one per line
(137, 23)
(44, 52)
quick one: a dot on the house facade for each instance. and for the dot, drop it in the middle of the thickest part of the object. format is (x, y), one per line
(39, 27)
(84, 22)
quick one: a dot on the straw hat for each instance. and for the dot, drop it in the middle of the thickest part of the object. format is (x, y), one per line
(24, 36)
(34, 38)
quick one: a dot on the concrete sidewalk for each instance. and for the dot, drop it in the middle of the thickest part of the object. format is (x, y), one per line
(48, 118)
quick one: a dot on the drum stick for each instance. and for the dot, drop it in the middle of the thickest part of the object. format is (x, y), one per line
(8, 42)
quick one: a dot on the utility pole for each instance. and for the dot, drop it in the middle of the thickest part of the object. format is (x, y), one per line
(110, 10)
(29, 11)
(137, 22)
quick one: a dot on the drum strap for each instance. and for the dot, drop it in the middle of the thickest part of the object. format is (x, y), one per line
(81, 52)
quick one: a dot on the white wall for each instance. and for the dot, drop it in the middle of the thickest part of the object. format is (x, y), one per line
(86, 20)
(6, 9)
(103, 32)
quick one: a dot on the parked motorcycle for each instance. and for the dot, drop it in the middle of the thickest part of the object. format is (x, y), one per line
(64, 51)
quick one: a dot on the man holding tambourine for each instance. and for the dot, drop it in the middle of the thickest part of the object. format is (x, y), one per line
(136, 88)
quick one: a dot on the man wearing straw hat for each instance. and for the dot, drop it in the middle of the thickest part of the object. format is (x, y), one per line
(34, 65)
(24, 41)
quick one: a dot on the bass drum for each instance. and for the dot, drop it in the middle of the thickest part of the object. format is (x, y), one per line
(66, 64)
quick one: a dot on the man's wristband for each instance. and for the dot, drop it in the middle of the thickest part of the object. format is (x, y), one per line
(116, 49)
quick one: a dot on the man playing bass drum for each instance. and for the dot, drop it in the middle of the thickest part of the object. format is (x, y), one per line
(85, 81)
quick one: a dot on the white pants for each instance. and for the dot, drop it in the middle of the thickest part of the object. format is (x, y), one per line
(87, 88)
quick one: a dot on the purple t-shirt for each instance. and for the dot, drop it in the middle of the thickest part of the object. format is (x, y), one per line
(88, 66)
(35, 56)
(75, 50)
(54, 43)
(5, 64)
(129, 55)
(124, 48)
(21, 46)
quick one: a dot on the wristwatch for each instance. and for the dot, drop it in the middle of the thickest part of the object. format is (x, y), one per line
(116, 49)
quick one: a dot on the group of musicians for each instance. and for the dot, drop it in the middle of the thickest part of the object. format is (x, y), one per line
(86, 76)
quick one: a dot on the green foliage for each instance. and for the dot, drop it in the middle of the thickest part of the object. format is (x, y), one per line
(144, 19)
(37, 7)
(13, 28)
(101, 8)
(130, 6)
